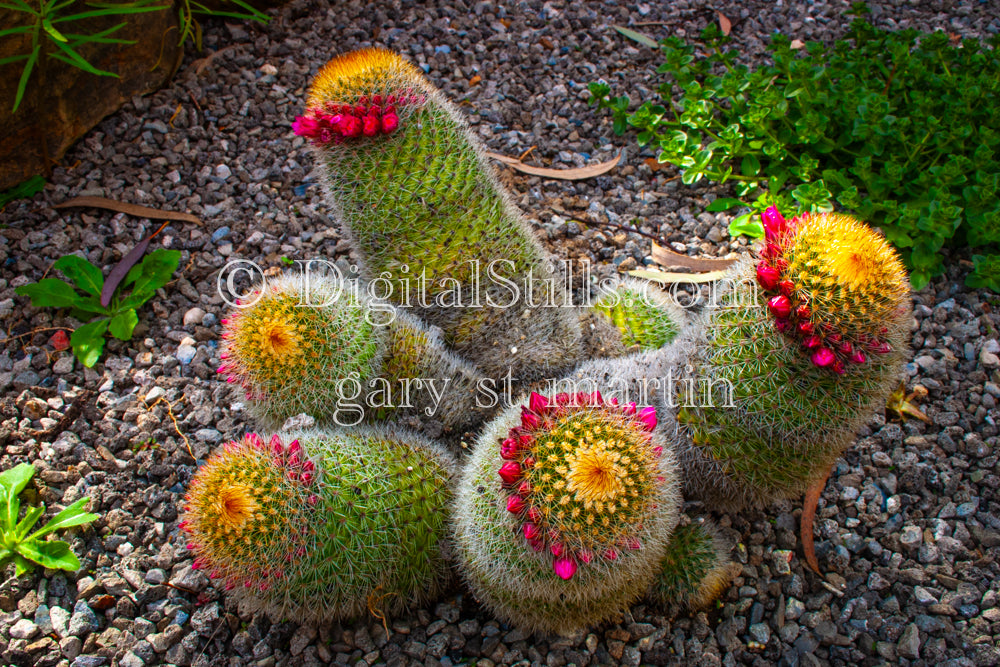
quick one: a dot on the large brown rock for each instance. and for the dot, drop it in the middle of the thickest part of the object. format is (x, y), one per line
(62, 103)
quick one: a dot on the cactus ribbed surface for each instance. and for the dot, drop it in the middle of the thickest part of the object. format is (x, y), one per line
(564, 510)
(796, 366)
(321, 525)
(423, 207)
(695, 570)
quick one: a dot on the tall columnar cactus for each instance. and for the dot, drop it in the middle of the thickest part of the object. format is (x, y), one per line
(323, 524)
(696, 568)
(632, 316)
(806, 345)
(414, 192)
(315, 345)
(564, 510)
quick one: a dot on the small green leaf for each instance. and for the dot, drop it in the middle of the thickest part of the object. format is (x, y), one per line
(748, 224)
(123, 323)
(645, 40)
(50, 293)
(23, 190)
(53, 33)
(153, 272)
(12, 482)
(55, 554)
(750, 166)
(74, 515)
(31, 517)
(85, 275)
(88, 342)
(723, 204)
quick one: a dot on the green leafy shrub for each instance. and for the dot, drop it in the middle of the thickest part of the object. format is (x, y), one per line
(899, 127)
(119, 317)
(24, 549)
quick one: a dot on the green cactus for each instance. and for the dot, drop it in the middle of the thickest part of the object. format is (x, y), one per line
(414, 192)
(329, 354)
(784, 375)
(642, 318)
(291, 358)
(322, 525)
(563, 512)
(695, 570)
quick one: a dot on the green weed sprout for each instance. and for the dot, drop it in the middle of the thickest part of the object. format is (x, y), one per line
(27, 550)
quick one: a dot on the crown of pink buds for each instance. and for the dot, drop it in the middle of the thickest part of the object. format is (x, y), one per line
(538, 417)
(370, 117)
(791, 311)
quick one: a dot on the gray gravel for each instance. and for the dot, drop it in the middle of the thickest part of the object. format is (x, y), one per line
(908, 527)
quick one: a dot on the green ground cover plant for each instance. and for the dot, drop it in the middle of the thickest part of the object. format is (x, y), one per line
(899, 127)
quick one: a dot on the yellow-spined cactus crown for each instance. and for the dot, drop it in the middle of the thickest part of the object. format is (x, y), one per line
(833, 283)
(248, 509)
(363, 73)
(850, 276)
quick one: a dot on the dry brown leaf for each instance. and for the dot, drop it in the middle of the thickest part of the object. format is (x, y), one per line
(903, 405)
(475, 80)
(667, 278)
(546, 43)
(809, 504)
(797, 44)
(574, 174)
(653, 164)
(725, 24)
(666, 257)
(130, 209)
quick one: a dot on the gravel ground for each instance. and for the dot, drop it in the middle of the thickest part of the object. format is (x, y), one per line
(908, 527)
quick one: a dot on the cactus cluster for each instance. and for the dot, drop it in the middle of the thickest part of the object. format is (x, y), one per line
(425, 210)
(323, 524)
(566, 510)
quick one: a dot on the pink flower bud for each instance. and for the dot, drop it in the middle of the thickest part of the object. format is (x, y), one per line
(534, 514)
(531, 532)
(629, 409)
(786, 287)
(524, 489)
(537, 403)
(823, 357)
(564, 567)
(774, 223)
(370, 126)
(556, 549)
(585, 555)
(509, 449)
(515, 504)
(648, 417)
(812, 341)
(563, 398)
(880, 347)
(611, 555)
(858, 357)
(803, 312)
(390, 121)
(529, 420)
(838, 367)
(657, 451)
(768, 276)
(529, 462)
(780, 306)
(510, 472)
(805, 327)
